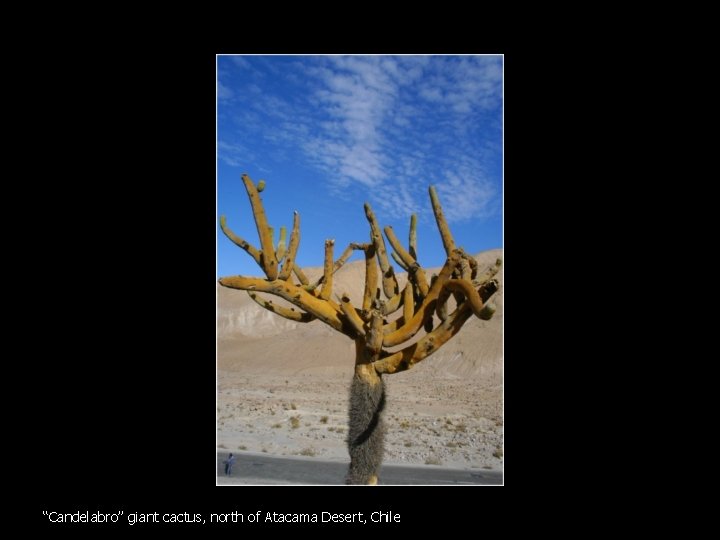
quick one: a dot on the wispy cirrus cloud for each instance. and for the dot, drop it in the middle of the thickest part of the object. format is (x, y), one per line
(379, 124)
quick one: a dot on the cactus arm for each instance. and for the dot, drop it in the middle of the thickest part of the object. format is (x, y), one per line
(430, 343)
(289, 263)
(393, 304)
(351, 314)
(426, 309)
(301, 275)
(288, 313)
(414, 268)
(281, 248)
(399, 261)
(269, 261)
(238, 241)
(327, 271)
(370, 278)
(408, 307)
(389, 281)
(412, 241)
(374, 337)
(322, 309)
(445, 233)
(346, 254)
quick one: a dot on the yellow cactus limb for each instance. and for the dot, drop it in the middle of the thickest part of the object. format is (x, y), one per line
(390, 284)
(269, 261)
(441, 306)
(473, 267)
(288, 313)
(392, 326)
(412, 243)
(412, 354)
(254, 253)
(322, 309)
(392, 305)
(465, 271)
(326, 289)
(425, 311)
(414, 268)
(371, 272)
(343, 258)
(487, 312)
(301, 275)
(351, 314)
(374, 337)
(289, 263)
(408, 308)
(261, 186)
(281, 248)
(445, 233)
(399, 261)
(471, 295)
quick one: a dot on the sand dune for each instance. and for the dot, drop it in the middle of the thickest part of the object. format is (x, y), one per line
(447, 410)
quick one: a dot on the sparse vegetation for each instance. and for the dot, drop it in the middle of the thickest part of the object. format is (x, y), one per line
(451, 444)
(293, 406)
(221, 446)
(433, 460)
(323, 420)
(498, 453)
(408, 444)
(307, 452)
(276, 426)
(295, 422)
(242, 447)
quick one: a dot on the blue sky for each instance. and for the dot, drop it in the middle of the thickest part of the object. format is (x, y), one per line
(328, 133)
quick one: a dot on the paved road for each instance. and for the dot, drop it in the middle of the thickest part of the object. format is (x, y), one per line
(263, 469)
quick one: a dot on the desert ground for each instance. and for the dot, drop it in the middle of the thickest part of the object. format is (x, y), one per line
(282, 387)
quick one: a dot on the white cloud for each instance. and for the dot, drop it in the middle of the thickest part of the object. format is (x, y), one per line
(223, 92)
(388, 126)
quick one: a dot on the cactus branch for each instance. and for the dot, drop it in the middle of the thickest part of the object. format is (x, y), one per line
(445, 233)
(425, 311)
(390, 284)
(269, 262)
(280, 252)
(321, 309)
(408, 308)
(370, 278)
(352, 316)
(412, 243)
(430, 343)
(415, 270)
(288, 313)
(326, 289)
(254, 253)
(399, 261)
(289, 263)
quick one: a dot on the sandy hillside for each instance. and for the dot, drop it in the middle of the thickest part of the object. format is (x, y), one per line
(283, 386)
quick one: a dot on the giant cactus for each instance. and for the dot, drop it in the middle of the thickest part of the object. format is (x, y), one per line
(368, 325)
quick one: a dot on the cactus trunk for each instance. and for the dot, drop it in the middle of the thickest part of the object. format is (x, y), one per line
(366, 430)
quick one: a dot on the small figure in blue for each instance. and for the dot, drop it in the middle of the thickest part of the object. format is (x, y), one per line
(228, 464)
